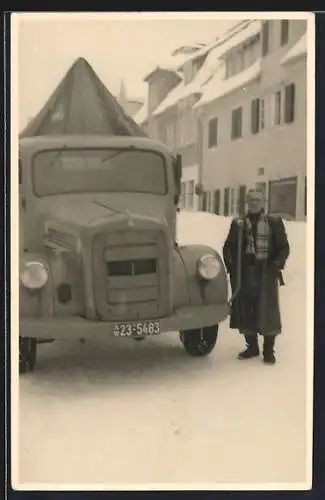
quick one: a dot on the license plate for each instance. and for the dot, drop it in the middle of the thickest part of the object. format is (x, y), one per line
(138, 329)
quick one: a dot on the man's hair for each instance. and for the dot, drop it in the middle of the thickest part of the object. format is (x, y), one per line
(255, 190)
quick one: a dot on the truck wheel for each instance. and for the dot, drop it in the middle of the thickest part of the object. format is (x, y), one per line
(27, 354)
(201, 341)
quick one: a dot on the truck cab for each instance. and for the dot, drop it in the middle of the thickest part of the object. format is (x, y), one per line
(98, 248)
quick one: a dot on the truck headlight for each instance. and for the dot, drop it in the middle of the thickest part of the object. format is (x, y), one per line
(208, 266)
(34, 275)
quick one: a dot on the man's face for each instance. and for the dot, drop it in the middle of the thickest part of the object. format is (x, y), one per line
(255, 202)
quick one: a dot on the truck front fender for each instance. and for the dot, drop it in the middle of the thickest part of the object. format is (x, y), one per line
(189, 287)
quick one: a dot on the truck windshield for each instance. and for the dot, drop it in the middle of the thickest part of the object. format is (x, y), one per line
(68, 171)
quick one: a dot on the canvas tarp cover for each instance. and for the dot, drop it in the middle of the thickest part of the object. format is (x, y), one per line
(81, 104)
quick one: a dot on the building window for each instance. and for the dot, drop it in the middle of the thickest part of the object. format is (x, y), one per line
(283, 197)
(190, 194)
(213, 132)
(251, 51)
(232, 201)
(209, 200)
(277, 107)
(236, 63)
(241, 200)
(284, 32)
(170, 133)
(257, 115)
(265, 38)
(216, 207)
(236, 123)
(204, 201)
(289, 103)
(182, 196)
(226, 202)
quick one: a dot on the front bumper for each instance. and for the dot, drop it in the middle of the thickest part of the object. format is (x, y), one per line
(74, 327)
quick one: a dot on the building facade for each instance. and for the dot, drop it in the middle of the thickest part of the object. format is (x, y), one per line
(256, 133)
(236, 111)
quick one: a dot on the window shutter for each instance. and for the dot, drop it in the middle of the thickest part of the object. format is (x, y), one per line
(217, 202)
(284, 32)
(226, 202)
(213, 132)
(265, 38)
(289, 106)
(233, 124)
(236, 123)
(255, 116)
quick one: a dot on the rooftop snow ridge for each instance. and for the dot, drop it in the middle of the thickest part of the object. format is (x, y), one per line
(214, 52)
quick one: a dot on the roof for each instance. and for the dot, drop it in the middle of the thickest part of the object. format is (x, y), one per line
(218, 86)
(142, 115)
(81, 104)
(212, 66)
(243, 33)
(298, 50)
(182, 91)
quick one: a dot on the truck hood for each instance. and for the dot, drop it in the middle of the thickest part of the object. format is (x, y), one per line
(91, 213)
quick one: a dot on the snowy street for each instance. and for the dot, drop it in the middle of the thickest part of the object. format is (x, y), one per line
(131, 412)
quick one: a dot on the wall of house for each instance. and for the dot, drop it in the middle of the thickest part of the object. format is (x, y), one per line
(159, 85)
(276, 153)
(272, 71)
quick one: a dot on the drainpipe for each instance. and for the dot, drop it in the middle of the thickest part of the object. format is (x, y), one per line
(200, 154)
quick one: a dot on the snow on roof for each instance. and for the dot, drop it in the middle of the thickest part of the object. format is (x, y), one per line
(142, 115)
(297, 50)
(212, 68)
(218, 86)
(181, 91)
(244, 33)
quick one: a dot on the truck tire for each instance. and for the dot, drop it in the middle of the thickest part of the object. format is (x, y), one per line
(200, 341)
(27, 354)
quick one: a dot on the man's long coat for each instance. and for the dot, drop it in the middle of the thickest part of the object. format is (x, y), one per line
(267, 304)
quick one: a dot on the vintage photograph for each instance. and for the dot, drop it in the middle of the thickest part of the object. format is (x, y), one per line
(162, 250)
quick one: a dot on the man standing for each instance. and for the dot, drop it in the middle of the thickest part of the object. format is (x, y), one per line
(255, 252)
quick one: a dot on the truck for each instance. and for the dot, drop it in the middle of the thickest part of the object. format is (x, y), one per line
(98, 246)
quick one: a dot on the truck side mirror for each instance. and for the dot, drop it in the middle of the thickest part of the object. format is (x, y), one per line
(177, 167)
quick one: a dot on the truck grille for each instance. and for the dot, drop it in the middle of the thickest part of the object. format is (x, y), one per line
(131, 272)
(132, 267)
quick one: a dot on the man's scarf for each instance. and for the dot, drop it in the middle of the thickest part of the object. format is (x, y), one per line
(260, 247)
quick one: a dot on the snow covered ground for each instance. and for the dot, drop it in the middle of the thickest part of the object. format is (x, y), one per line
(130, 413)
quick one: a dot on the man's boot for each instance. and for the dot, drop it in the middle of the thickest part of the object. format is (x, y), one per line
(252, 349)
(268, 350)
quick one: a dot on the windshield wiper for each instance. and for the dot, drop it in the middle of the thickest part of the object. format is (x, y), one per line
(108, 207)
(118, 153)
(57, 156)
